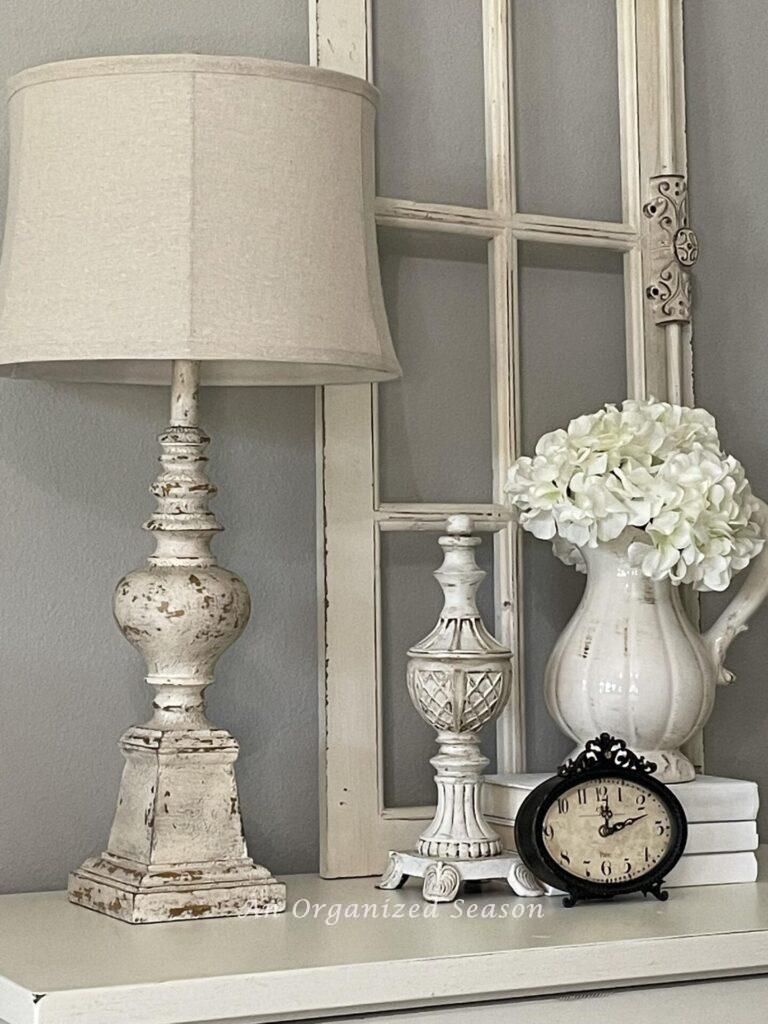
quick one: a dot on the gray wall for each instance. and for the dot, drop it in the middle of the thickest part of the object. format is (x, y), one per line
(727, 85)
(76, 462)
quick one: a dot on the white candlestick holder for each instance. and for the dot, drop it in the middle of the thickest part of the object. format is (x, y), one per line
(459, 680)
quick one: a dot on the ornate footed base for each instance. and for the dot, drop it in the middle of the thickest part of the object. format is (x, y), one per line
(144, 894)
(671, 765)
(443, 878)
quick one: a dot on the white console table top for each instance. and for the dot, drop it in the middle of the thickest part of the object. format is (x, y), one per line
(61, 964)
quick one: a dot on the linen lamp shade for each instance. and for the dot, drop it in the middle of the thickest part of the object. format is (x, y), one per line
(184, 207)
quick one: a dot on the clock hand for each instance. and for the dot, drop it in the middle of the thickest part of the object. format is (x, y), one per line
(623, 824)
(606, 813)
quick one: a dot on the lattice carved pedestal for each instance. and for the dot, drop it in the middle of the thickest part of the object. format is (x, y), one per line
(458, 680)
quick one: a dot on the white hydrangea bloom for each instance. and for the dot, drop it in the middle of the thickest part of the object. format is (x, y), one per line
(650, 465)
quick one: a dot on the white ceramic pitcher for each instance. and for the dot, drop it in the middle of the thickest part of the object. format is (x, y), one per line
(630, 662)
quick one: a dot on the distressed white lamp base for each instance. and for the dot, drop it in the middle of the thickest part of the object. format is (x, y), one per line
(443, 878)
(178, 793)
(177, 849)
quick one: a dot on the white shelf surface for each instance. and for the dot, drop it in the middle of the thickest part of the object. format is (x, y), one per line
(61, 964)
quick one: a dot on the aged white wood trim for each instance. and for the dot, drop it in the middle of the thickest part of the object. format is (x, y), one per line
(324, 756)
(576, 226)
(502, 286)
(457, 220)
(631, 196)
(694, 748)
(436, 524)
(661, 117)
(629, 142)
(594, 240)
(488, 519)
(666, 72)
(356, 826)
(511, 729)
(465, 220)
(634, 308)
(441, 511)
(674, 349)
(340, 35)
(340, 40)
(498, 108)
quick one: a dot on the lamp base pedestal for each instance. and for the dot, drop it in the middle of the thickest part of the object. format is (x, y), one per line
(443, 878)
(176, 850)
(141, 894)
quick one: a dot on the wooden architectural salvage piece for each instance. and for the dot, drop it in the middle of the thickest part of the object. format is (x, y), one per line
(674, 249)
(177, 848)
(459, 680)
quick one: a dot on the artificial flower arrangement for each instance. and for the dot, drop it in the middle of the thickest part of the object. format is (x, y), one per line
(650, 465)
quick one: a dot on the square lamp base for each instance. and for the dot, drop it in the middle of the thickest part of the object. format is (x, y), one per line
(141, 895)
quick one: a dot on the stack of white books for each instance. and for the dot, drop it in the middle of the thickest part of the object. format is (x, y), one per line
(722, 826)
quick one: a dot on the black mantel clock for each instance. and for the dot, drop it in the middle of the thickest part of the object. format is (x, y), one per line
(603, 826)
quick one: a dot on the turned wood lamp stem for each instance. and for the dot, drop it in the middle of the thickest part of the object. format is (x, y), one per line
(185, 393)
(184, 527)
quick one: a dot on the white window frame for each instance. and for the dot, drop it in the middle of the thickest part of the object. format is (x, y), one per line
(357, 828)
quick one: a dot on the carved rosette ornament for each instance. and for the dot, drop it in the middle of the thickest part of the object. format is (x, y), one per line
(458, 679)
(674, 249)
(177, 849)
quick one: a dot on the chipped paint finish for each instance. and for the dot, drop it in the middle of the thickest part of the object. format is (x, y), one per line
(177, 849)
(181, 621)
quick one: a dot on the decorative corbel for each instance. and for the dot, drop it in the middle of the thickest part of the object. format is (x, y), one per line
(674, 248)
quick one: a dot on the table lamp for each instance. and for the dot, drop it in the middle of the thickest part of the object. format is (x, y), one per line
(187, 220)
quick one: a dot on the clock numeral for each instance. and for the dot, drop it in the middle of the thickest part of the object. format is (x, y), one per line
(564, 857)
(659, 828)
(627, 865)
(562, 804)
(618, 794)
(640, 801)
(647, 855)
(586, 864)
(606, 867)
(548, 831)
(582, 797)
(601, 792)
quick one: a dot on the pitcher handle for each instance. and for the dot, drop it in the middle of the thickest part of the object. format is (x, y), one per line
(733, 620)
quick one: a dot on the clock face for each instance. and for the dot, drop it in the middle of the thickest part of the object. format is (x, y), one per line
(607, 830)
